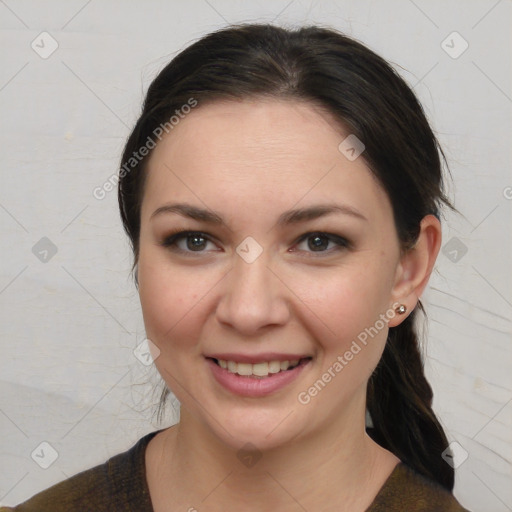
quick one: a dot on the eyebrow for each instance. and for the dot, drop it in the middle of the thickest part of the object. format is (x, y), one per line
(288, 217)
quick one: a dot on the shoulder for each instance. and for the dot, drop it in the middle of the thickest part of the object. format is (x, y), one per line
(118, 484)
(406, 489)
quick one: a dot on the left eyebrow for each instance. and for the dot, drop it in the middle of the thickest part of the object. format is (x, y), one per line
(316, 211)
(288, 217)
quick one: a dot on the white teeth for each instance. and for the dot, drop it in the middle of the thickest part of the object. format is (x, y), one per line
(274, 367)
(244, 369)
(258, 369)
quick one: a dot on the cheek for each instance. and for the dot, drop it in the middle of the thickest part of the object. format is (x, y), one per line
(171, 303)
(345, 306)
(345, 299)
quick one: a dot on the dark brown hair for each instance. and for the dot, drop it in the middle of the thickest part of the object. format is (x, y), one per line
(370, 100)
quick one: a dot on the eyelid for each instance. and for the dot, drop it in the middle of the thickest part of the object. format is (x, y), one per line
(340, 241)
(170, 242)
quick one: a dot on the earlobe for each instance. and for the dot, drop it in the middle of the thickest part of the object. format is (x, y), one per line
(415, 267)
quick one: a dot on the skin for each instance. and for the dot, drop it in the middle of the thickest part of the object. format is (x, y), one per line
(249, 162)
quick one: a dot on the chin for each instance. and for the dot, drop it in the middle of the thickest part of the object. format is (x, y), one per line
(266, 429)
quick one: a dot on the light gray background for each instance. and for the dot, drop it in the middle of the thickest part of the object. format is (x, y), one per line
(69, 325)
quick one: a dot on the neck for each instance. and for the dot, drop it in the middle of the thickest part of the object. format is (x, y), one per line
(342, 470)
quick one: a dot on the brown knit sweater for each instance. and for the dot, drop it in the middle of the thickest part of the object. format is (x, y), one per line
(120, 485)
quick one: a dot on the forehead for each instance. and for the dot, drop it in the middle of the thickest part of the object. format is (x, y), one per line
(267, 154)
(253, 131)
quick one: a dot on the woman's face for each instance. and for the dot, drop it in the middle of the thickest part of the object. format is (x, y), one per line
(294, 260)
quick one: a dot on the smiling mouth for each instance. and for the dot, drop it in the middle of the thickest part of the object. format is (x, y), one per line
(260, 370)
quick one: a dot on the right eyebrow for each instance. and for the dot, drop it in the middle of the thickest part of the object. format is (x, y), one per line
(288, 217)
(192, 212)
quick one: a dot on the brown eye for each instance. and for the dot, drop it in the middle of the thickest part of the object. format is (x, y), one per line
(319, 242)
(187, 242)
(196, 242)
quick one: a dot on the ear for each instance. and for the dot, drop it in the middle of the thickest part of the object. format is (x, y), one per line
(415, 267)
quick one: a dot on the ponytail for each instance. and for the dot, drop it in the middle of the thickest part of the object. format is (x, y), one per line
(399, 400)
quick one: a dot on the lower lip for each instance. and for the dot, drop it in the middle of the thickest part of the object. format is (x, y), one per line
(255, 387)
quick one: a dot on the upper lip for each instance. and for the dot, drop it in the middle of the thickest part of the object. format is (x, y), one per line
(256, 358)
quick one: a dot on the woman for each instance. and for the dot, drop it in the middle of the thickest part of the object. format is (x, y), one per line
(281, 191)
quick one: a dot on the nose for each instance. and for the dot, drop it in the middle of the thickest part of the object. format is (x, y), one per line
(252, 297)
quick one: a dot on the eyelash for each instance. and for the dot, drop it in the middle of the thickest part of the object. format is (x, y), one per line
(171, 240)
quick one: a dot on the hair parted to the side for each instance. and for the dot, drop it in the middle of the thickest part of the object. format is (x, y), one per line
(370, 100)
